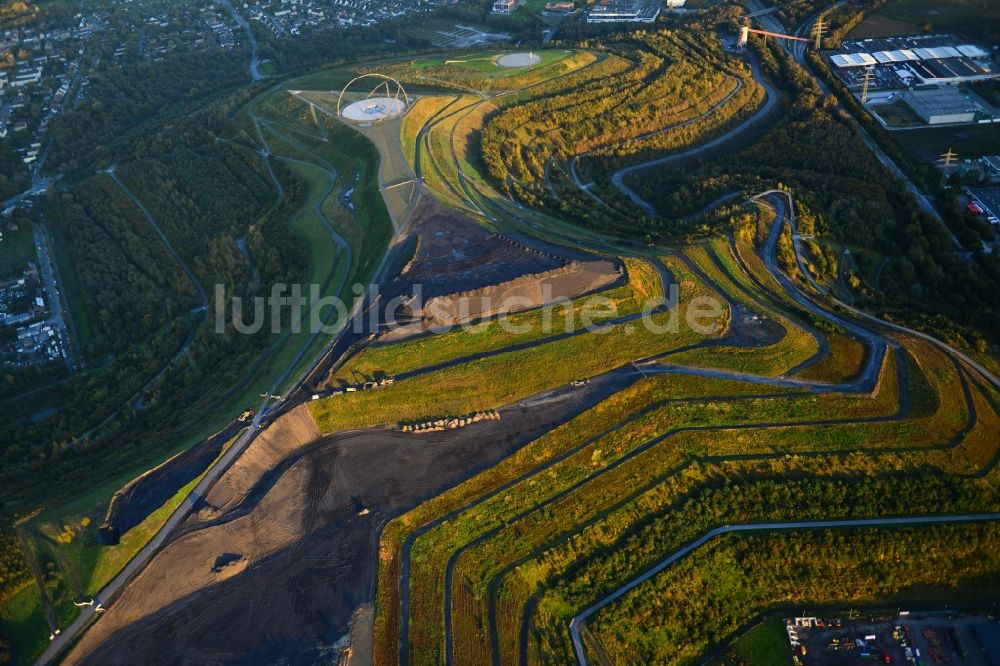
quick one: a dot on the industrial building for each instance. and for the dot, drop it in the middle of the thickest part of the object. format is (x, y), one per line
(986, 200)
(623, 14)
(505, 7)
(904, 62)
(939, 106)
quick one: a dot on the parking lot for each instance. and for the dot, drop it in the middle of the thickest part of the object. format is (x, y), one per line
(968, 640)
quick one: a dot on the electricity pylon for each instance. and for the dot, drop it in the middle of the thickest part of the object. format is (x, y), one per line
(948, 158)
(867, 80)
(819, 27)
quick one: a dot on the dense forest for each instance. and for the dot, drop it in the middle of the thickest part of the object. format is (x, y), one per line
(814, 150)
(137, 311)
(651, 93)
(707, 596)
(17, 13)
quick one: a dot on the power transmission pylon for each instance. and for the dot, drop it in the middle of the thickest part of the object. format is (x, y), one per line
(819, 27)
(948, 158)
(867, 80)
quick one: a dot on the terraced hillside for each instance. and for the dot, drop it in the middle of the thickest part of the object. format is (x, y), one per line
(633, 471)
(790, 413)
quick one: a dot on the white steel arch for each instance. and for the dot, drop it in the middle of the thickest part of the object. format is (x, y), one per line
(384, 83)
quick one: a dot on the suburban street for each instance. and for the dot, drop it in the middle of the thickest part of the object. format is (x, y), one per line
(47, 269)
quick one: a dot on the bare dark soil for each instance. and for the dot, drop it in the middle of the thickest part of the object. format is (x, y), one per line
(144, 494)
(308, 532)
(456, 254)
(461, 272)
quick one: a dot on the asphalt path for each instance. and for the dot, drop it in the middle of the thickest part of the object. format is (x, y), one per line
(90, 613)
(875, 341)
(578, 622)
(199, 287)
(618, 179)
(267, 405)
(875, 359)
(244, 440)
(988, 376)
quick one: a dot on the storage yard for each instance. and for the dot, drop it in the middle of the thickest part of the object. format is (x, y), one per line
(909, 638)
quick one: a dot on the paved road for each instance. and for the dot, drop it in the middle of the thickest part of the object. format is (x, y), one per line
(266, 407)
(579, 620)
(948, 349)
(67, 636)
(242, 22)
(47, 267)
(875, 341)
(38, 186)
(618, 179)
(798, 51)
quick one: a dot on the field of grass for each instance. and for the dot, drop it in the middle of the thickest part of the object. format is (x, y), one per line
(514, 552)
(470, 70)
(23, 619)
(765, 644)
(484, 62)
(334, 144)
(110, 559)
(897, 114)
(795, 347)
(968, 141)
(497, 565)
(505, 558)
(439, 169)
(529, 519)
(878, 25)
(83, 564)
(494, 381)
(16, 249)
(973, 18)
(65, 543)
(518, 328)
(842, 362)
(531, 460)
(423, 110)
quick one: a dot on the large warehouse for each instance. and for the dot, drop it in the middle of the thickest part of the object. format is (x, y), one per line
(941, 105)
(907, 61)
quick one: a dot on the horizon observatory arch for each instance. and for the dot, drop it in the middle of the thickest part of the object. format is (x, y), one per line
(388, 99)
